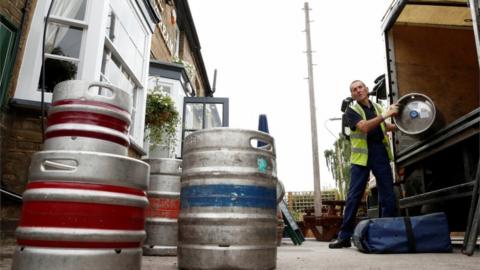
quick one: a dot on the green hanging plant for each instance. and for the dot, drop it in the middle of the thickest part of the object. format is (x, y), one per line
(161, 118)
(189, 68)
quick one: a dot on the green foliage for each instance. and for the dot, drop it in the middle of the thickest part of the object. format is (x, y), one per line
(189, 68)
(161, 118)
(297, 216)
(338, 163)
(58, 71)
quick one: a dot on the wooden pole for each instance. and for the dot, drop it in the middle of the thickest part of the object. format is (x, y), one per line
(313, 118)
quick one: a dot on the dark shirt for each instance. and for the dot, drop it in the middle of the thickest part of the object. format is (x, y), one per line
(375, 135)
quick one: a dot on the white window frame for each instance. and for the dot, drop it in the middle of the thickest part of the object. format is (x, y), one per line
(138, 123)
(91, 52)
(29, 74)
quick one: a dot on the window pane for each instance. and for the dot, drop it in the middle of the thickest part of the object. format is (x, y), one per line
(110, 30)
(57, 71)
(112, 70)
(134, 108)
(7, 39)
(127, 35)
(154, 83)
(194, 116)
(72, 9)
(63, 40)
(127, 19)
(213, 115)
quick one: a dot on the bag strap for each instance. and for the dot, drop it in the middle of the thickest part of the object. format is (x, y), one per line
(410, 237)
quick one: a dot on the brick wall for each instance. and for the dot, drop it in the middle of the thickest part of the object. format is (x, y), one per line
(12, 10)
(159, 50)
(20, 134)
(20, 138)
(197, 79)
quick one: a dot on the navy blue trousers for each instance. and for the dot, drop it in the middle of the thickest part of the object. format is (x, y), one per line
(379, 164)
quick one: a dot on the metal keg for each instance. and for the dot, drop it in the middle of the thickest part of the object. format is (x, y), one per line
(164, 206)
(280, 222)
(280, 191)
(227, 201)
(82, 210)
(280, 226)
(417, 114)
(89, 116)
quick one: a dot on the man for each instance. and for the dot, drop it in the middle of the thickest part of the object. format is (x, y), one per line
(370, 151)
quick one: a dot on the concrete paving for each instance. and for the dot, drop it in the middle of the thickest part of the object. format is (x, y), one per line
(316, 255)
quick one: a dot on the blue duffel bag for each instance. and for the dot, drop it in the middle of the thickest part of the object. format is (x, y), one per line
(427, 233)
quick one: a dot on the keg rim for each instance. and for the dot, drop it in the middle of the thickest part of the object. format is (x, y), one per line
(70, 165)
(124, 96)
(252, 135)
(401, 100)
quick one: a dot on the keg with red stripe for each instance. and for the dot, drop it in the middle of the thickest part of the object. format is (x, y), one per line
(164, 206)
(82, 210)
(89, 116)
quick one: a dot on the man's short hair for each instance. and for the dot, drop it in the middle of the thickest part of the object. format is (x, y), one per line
(354, 81)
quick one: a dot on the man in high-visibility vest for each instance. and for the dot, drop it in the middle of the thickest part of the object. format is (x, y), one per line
(370, 151)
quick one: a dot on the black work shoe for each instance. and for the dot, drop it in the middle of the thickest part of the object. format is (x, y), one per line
(339, 243)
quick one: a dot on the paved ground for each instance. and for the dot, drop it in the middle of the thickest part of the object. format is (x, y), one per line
(316, 255)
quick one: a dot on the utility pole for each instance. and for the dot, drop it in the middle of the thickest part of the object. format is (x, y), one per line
(313, 119)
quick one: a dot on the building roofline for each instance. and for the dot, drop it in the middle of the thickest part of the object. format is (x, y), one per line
(185, 22)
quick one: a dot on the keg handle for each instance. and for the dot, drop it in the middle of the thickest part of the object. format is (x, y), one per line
(179, 169)
(104, 89)
(48, 165)
(267, 147)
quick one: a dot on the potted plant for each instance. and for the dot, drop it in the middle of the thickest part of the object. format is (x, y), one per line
(161, 119)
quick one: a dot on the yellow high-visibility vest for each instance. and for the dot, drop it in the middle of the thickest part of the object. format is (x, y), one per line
(358, 139)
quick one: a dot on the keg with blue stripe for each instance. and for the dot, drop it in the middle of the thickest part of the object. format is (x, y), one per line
(227, 201)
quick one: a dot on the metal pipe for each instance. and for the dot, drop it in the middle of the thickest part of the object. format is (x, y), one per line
(9, 193)
(214, 81)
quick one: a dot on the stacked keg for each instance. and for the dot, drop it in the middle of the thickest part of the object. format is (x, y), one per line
(228, 201)
(280, 222)
(164, 206)
(84, 204)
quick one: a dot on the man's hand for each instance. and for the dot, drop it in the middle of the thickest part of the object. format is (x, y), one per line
(391, 127)
(391, 111)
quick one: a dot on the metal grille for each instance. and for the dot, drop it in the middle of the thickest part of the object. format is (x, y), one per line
(301, 201)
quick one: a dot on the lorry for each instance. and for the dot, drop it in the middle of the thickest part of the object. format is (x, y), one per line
(432, 58)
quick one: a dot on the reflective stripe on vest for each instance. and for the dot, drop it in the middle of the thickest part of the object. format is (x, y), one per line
(358, 139)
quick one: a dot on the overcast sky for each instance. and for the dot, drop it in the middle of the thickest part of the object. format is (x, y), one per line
(258, 47)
